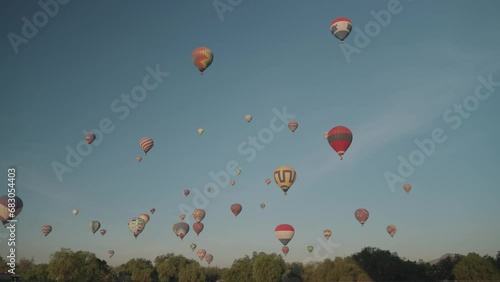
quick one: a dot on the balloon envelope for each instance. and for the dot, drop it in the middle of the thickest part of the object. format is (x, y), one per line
(186, 192)
(201, 253)
(209, 258)
(111, 253)
(146, 144)
(94, 226)
(262, 205)
(139, 159)
(202, 58)
(340, 138)
(361, 215)
(181, 229)
(327, 233)
(198, 227)
(233, 182)
(75, 212)
(285, 250)
(182, 216)
(236, 209)
(46, 229)
(103, 231)
(248, 118)
(284, 233)
(200, 131)
(407, 187)
(341, 28)
(136, 226)
(391, 229)
(90, 137)
(152, 211)
(145, 217)
(292, 125)
(5, 210)
(268, 181)
(198, 215)
(310, 248)
(285, 177)
(193, 246)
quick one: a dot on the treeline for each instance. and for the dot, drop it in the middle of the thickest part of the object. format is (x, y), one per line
(370, 264)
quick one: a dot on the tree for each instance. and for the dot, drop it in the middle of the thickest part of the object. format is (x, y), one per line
(475, 267)
(240, 271)
(191, 273)
(294, 272)
(443, 270)
(169, 266)
(268, 267)
(137, 270)
(39, 273)
(25, 265)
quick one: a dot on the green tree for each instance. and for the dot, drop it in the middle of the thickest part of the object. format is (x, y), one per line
(25, 265)
(240, 271)
(268, 267)
(380, 265)
(137, 270)
(475, 267)
(443, 270)
(191, 273)
(294, 272)
(39, 273)
(321, 271)
(169, 266)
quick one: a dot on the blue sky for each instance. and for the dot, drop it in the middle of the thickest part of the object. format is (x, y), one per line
(267, 55)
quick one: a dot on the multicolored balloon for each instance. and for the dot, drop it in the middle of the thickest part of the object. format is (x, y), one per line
(46, 229)
(310, 248)
(5, 210)
(198, 227)
(146, 144)
(201, 253)
(209, 258)
(181, 229)
(90, 137)
(94, 226)
(111, 253)
(236, 209)
(361, 215)
(202, 58)
(193, 246)
(327, 233)
(198, 215)
(186, 192)
(284, 233)
(391, 229)
(285, 250)
(248, 118)
(407, 188)
(285, 177)
(292, 125)
(341, 28)
(75, 212)
(103, 231)
(136, 226)
(340, 138)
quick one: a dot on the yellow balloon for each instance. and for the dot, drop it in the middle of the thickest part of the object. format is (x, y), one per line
(285, 177)
(200, 131)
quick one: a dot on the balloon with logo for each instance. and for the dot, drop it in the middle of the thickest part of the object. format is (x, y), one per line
(391, 229)
(139, 159)
(361, 215)
(310, 248)
(284, 233)
(201, 253)
(341, 28)
(111, 253)
(292, 125)
(75, 212)
(186, 192)
(198, 227)
(89, 137)
(209, 258)
(152, 211)
(193, 246)
(200, 131)
(285, 177)
(146, 144)
(202, 58)
(248, 118)
(407, 188)
(94, 226)
(6, 208)
(285, 250)
(103, 231)
(198, 215)
(182, 216)
(144, 217)
(136, 226)
(236, 209)
(327, 233)
(268, 181)
(181, 229)
(46, 229)
(340, 138)
(262, 205)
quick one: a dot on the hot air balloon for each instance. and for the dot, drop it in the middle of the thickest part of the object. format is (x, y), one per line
(146, 144)
(285, 177)
(233, 182)
(285, 250)
(6, 209)
(268, 181)
(248, 118)
(202, 58)
(75, 212)
(236, 209)
(152, 211)
(182, 216)
(325, 134)
(284, 233)
(46, 229)
(198, 227)
(209, 258)
(310, 248)
(340, 139)
(186, 192)
(201, 253)
(94, 226)
(238, 171)
(103, 231)
(340, 28)
(407, 188)
(90, 137)
(139, 159)
(361, 215)
(200, 131)
(111, 253)
(181, 229)
(198, 215)
(136, 226)
(262, 205)
(209, 189)
(327, 233)
(292, 125)
(192, 246)
(391, 229)
(145, 217)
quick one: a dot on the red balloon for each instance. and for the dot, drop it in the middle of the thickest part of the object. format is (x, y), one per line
(198, 227)
(340, 139)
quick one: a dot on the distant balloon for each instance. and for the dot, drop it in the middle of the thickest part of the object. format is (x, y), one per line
(201, 253)
(407, 187)
(152, 211)
(94, 226)
(145, 217)
(6, 208)
(327, 233)
(310, 248)
(193, 246)
(238, 171)
(236, 209)
(391, 229)
(248, 118)
(181, 229)
(209, 258)
(340, 138)
(90, 137)
(262, 205)
(285, 250)
(200, 131)
(136, 226)
(361, 215)
(111, 253)
(284, 233)
(103, 231)
(75, 212)
(146, 144)
(268, 181)
(341, 28)
(198, 227)
(182, 216)
(209, 189)
(325, 134)
(139, 159)
(233, 182)
(285, 177)
(202, 58)
(46, 229)
(186, 192)
(292, 125)
(198, 215)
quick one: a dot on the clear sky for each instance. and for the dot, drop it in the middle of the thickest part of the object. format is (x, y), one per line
(267, 55)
